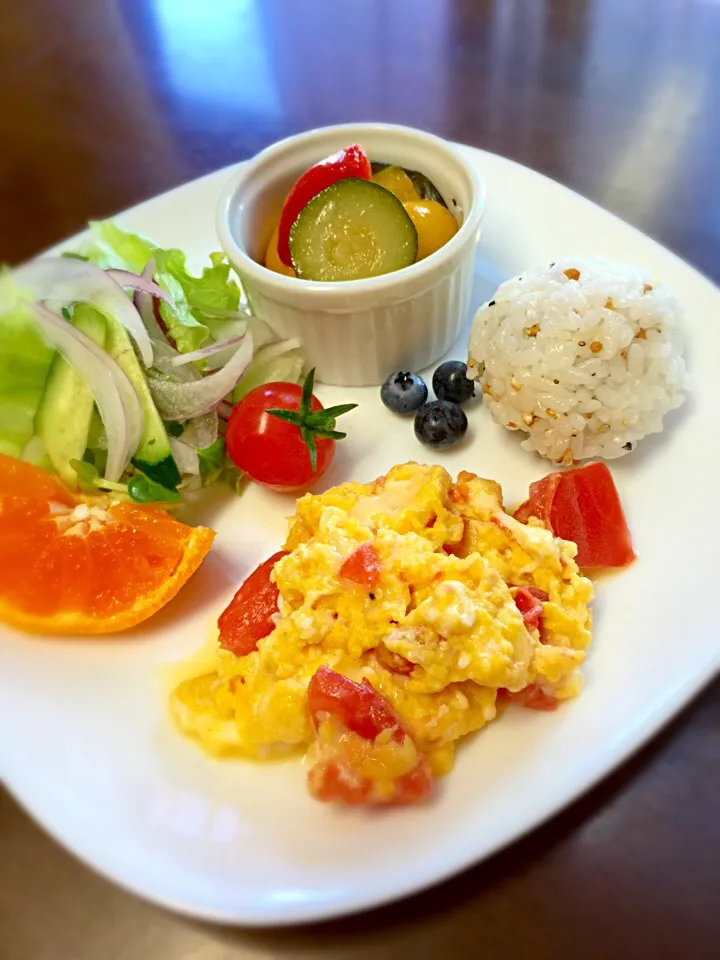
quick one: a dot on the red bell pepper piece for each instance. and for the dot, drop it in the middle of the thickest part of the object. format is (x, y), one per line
(350, 162)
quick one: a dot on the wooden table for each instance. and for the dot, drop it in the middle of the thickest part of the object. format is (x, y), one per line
(104, 103)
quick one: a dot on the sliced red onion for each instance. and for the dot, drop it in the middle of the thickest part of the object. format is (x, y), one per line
(66, 280)
(274, 361)
(185, 401)
(225, 410)
(202, 431)
(273, 350)
(262, 334)
(144, 305)
(185, 456)
(113, 393)
(141, 284)
(164, 357)
(204, 352)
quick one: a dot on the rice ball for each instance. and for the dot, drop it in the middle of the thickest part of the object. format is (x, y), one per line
(584, 356)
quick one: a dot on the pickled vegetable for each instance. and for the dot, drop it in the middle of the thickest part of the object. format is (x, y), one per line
(434, 223)
(352, 230)
(398, 182)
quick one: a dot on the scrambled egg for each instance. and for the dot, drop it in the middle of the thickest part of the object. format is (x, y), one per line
(438, 635)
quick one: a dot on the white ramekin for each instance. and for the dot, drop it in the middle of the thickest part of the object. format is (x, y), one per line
(357, 332)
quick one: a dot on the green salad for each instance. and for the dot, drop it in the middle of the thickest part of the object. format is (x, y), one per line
(119, 368)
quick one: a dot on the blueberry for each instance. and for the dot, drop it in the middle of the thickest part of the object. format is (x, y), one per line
(403, 392)
(450, 382)
(440, 424)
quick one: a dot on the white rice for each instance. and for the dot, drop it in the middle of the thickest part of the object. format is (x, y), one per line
(586, 367)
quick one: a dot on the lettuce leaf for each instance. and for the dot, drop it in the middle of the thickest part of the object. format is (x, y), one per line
(212, 460)
(188, 333)
(24, 365)
(213, 292)
(201, 302)
(113, 248)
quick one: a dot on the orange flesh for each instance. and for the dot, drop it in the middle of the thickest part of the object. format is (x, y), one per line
(85, 564)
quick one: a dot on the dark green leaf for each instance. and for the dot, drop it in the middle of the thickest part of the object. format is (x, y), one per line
(174, 428)
(87, 475)
(312, 449)
(163, 472)
(335, 412)
(289, 416)
(212, 459)
(144, 490)
(307, 391)
(66, 313)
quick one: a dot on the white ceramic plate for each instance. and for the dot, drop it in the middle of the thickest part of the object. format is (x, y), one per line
(86, 744)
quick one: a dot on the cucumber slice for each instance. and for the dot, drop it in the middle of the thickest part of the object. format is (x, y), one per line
(153, 455)
(352, 230)
(63, 418)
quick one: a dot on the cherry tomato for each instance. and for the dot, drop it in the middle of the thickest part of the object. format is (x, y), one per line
(249, 616)
(350, 162)
(280, 435)
(362, 566)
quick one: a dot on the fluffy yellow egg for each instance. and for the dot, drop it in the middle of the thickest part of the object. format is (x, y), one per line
(437, 635)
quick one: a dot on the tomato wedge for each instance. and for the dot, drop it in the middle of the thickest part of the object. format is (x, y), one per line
(583, 505)
(362, 566)
(360, 741)
(350, 162)
(249, 616)
(358, 706)
(542, 493)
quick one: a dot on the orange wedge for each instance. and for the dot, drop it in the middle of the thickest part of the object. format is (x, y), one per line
(71, 564)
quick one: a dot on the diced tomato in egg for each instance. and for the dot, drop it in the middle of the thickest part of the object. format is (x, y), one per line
(533, 697)
(362, 566)
(363, 754)
(250, 615)
(529, 601)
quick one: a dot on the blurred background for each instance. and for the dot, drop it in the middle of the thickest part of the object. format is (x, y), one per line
(104, 103)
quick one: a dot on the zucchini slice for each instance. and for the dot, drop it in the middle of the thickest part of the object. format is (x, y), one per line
(352, 230)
